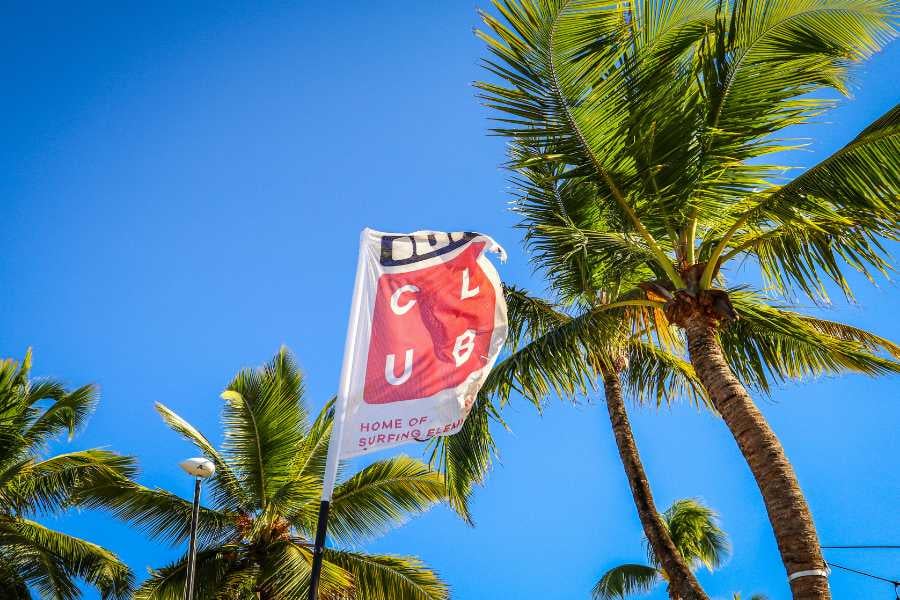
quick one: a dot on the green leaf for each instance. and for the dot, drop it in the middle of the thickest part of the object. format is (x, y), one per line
(33, 413)
(771, 343)
(51, 561)
(49, 485)
(215, 566)
(382, 496)
(654, 375)
(696, 534)
(286, 569)
(625, 580)
(265, 420)
(224, 483)
(385, 577)
(834, 214)
(465, 457)
(68, 412)
(158, 513)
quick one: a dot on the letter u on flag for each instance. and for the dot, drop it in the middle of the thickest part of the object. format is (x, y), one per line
(427, 322)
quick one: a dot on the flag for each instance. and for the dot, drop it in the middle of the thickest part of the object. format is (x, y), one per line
(427, 323)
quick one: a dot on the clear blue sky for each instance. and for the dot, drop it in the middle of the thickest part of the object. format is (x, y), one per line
(181, 191)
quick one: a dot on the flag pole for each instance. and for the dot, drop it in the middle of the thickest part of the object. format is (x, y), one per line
(337, 429)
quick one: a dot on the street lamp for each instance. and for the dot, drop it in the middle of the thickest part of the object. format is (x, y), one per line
(200, 468)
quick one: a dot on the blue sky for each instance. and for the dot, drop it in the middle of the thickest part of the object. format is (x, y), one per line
(181, 191)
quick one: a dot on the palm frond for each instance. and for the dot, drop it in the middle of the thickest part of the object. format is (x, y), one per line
(465, 457)
(213, 566)
(813, 43)
(847, 333)
(32, 414)
(239, 583)
(41, 571)
(624, 581)
(265, 420)
(381, 496)
(696, 534)
(529, 316)
(68, 412)
(285, 574)
(564, 360)
(655, 375)
(581, 261)
(552, 353)
(386, 577)
(298, 501)
(299, 498)
(158, 513)
(574, 240)
(53, 560)
(835, 213)
(12, 585)
(766, 60)
(224, 485)
(565, 81)
(772, 344)
(48, 485)
(311, 456)
(804, 251)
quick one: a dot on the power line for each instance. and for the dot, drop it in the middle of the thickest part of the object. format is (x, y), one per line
(896, 583)
(862, 547)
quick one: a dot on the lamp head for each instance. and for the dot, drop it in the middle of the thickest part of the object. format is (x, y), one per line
(198, 467)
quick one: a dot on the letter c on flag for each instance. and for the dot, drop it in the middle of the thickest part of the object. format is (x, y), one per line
(402, 309)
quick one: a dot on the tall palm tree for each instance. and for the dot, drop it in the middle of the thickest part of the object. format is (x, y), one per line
(255, 537)
(666, 110)
(567, 351)
(34, 558)
(594, 336)
(698, 538)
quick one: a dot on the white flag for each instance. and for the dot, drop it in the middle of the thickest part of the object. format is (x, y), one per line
(427, 324)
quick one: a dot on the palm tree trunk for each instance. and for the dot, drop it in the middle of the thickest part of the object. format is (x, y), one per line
(682, 583)
(787, 508)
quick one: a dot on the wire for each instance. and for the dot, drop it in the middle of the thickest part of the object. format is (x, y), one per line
(896, 583)
(861, 547)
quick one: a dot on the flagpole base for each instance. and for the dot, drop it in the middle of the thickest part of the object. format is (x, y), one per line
(319, 549)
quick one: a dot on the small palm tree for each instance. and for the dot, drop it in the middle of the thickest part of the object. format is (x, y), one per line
(34, 558)
(697, 537)
(255, 538)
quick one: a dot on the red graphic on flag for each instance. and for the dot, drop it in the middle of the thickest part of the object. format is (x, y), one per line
(431, 329)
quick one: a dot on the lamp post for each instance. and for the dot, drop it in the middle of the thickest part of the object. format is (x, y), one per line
(200, 468)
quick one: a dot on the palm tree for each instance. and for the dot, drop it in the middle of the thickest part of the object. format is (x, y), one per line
(664, 111)
(698, 538)
(566, 351)
(564, 348)
(255, 539)
(34, 558)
